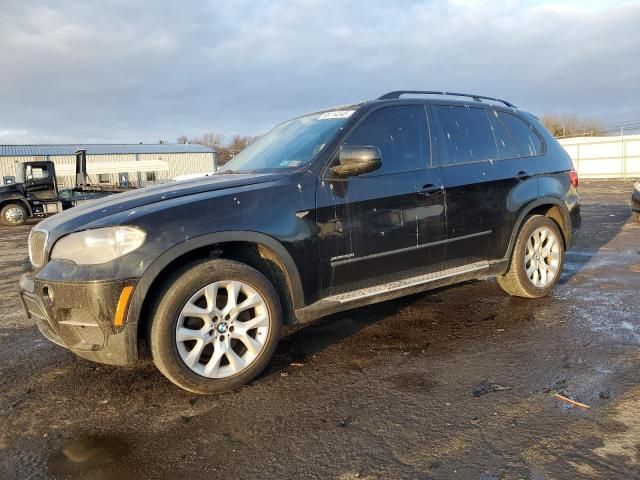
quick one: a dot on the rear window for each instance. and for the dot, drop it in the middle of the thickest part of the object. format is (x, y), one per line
(508, 147)
(466, 134)
(527, 138)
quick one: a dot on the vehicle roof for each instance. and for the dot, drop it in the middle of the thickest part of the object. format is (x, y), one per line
(439, 100)
(449, 99)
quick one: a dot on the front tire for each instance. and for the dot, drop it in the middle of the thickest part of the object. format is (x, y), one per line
(216, 327)
(13, 215)
(536, 261)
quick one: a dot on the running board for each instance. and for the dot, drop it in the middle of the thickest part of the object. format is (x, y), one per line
(390, 290)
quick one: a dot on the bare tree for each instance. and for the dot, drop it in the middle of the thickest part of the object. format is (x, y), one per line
(240, 142)
(562, 126)
(211, 139)
(215, 141)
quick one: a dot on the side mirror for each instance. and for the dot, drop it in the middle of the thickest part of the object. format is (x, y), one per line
(357, 161)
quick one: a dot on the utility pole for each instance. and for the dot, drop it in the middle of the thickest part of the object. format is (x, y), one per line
(624, 154)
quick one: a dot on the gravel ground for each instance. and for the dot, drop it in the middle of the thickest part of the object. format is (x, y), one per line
(385, 391)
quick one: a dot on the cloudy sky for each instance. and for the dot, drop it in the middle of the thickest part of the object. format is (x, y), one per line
(123, 71)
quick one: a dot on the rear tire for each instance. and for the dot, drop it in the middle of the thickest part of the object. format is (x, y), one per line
(216, 327)
(13, 214)
(536, 261)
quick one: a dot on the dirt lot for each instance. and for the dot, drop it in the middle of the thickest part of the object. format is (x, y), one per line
(380, 392)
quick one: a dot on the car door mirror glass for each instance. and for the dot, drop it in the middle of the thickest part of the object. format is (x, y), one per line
(355, 161)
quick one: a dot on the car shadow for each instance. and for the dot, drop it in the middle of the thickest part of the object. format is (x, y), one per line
(303, 341)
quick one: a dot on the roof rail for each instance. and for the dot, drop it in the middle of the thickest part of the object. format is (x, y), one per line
(477, 98)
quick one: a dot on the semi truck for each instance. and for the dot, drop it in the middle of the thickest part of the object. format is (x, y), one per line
(36, 193)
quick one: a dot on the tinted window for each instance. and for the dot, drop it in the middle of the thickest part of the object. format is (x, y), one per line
(466, 134)
(401, 135)
(528, 140)
(507, 145)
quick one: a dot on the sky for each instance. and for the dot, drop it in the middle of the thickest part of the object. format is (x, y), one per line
(118, 71)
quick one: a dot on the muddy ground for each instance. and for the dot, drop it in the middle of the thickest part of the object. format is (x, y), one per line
(380, 392)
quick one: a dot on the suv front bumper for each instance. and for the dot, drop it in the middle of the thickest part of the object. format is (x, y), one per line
(79, 316)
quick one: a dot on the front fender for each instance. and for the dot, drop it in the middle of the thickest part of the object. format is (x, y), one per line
(158, 265)
(15, 198)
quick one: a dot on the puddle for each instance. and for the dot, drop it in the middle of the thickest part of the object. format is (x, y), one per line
(85, 457)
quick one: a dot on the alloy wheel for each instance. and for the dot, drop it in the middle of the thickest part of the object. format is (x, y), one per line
(542, 257)
(222, 329)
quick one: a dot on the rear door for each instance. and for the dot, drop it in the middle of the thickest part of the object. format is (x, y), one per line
(485, 176)
(376, 226)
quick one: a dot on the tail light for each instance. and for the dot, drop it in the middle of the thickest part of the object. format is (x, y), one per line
(573, 176)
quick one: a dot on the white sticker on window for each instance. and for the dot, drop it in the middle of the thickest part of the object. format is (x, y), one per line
(336, 114)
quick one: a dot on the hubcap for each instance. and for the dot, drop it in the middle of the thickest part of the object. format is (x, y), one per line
(222, 329)
(542, 257)
(14, 215)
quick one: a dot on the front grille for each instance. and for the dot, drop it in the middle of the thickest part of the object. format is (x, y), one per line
(37, 244)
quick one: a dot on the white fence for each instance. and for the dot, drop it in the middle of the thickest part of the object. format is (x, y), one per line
(605, 157)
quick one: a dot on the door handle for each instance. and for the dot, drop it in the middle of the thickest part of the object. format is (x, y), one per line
(429, 189)
(523, 175)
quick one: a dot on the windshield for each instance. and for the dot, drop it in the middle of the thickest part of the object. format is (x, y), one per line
(291, 144)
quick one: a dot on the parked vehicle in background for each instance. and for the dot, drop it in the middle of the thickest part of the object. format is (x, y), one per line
(329, 211)
(635, 199)
(35, 193)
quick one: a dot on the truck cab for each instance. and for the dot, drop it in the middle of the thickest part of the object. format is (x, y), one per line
(35, 194)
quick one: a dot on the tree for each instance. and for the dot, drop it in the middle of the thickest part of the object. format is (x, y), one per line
(239, 143)
(215, 141)
(211, 139)
(563, 126)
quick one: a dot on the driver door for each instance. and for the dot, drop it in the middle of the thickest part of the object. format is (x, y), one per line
(382, 225)
(40, 181)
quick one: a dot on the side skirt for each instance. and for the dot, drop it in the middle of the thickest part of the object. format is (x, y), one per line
(398, 288)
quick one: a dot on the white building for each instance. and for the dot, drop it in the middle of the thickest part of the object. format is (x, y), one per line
(136, 164)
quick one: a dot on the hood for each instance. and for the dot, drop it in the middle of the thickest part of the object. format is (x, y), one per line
(112, 204)
(11, 188)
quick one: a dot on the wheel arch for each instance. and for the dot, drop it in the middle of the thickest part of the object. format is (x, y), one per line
(19, 200)
(258, 250)
(550, 207)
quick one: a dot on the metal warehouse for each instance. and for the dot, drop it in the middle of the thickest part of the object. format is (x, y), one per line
(126, 165)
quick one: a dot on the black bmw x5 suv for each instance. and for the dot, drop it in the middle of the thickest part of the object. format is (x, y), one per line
(326, 212)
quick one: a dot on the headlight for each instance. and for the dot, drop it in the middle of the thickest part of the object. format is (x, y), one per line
(100, 245)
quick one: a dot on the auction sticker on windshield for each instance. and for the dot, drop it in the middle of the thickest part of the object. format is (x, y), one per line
(336, 114)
